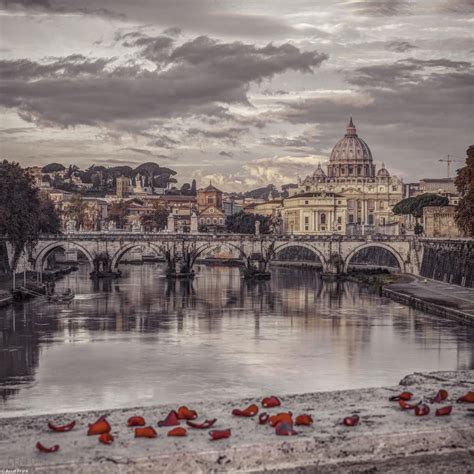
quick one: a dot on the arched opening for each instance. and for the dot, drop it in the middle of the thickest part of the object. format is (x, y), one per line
(374, 256)
(219, 253)
(298, 253)
(61, 254)
(136, 253)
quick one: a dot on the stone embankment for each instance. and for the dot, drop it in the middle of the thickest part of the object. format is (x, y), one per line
(435, 297)
(386, 439)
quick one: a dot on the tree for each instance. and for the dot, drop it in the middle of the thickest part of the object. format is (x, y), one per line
(193, 188)
(53, 168)
(76, 210)
(118, 213)
(465, 185)
(415, 205)
(23, 213)
(155, 220)
(243, 223)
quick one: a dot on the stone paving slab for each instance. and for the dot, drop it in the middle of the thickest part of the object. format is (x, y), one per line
(384, 435)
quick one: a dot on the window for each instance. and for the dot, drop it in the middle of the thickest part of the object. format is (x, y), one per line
(370, 204)
(306, 219)
(307, 188)
(306, 202)
(210, 199)
(359, 205)
(322, 219)
(208, 220)
(214, 221)
(339, 202)
(351, 218)
(371, 219)
(221, 221)
(339, 220)
(381, 205)
(394, 188)
(339, 227)
(350, 204)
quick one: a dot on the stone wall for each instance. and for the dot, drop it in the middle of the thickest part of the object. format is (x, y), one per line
(438, 221)
(451, 261)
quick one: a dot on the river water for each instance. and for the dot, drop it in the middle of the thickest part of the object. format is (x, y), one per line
(143, 340)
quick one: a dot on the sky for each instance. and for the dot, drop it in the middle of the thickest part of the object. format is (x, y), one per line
(243, 93)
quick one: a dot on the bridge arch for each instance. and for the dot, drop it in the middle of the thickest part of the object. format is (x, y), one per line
(48, 249)
(367, 245)
(209, 249)
(305, 245)
(127, 247)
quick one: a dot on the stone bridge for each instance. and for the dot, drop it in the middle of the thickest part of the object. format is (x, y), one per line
(333, 253)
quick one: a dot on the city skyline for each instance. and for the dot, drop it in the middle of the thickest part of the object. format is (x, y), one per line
(239, 94)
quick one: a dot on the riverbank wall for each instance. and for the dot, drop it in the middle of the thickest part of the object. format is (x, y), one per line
(449, 261)
(387, 439)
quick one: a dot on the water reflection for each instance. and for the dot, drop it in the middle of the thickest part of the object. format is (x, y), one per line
(145, 340)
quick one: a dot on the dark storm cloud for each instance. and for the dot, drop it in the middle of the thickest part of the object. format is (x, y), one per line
(194, 15)
(459, 6)
(230, 135)
(199, 77)
(434, 105)
(155, 48)
(70, 66)
(380, 7)
(163, 142)
(402, 72)
(400, 46)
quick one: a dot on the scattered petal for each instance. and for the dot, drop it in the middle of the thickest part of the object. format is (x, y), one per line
(178, 431)
(220, 434)
(440, 396)
(468, 398)
(304, 420)
(407, 406)
(285, 429)
(44, 449)
(422, 410)
(99, 427)
(402, 396)
(285, 417)
(444, 411)
(351, 420)
(136, 421)
(147, 432)
(251, 410)
(170, 420)
(271, 402)
(63, 428)
(202, 426)
(263, 418)
(106, 438)
(184, 413)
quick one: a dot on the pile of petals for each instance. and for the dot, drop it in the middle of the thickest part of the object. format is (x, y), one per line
(251, 410)
(468, 398)
(99, 427)
(171, 420)
(184, 413)
(422, 409)
(146, 432)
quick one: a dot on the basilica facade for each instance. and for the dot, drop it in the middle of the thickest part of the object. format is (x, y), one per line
(352, 197)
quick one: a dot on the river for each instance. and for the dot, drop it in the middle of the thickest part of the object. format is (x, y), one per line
(143, 340)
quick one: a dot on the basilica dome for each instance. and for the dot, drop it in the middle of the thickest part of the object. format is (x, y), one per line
(351, 148)
(351, 157)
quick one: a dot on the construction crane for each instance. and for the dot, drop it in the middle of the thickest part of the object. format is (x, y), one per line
(448, 160)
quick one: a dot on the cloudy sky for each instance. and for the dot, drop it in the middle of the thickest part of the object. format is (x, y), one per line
(243, 92)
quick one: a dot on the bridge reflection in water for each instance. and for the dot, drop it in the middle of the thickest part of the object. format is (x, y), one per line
(143, 340)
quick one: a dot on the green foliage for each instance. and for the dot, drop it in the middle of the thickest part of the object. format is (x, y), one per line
(24, 214)
(53, 168)
(243, 223)
(415, 205)
(118, 213)
(76, 209)
(465, 185)
(156, 220)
